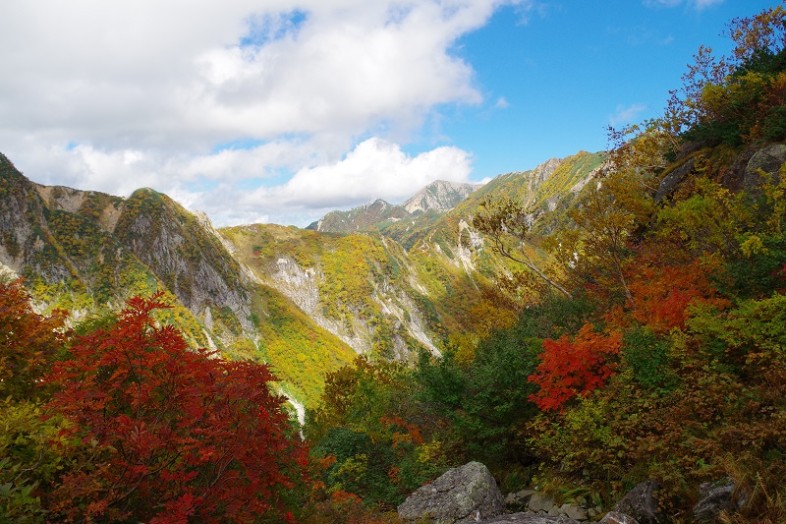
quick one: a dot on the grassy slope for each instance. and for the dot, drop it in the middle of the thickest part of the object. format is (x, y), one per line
(351, 272)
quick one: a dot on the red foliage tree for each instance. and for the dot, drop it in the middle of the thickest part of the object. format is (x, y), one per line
(172, 434)
(28, 341)
(662, 293)
(570, 368)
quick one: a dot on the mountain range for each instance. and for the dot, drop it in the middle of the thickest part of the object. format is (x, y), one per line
(435, 199)
(382, 280)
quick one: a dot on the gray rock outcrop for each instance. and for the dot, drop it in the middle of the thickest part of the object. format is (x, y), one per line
(529, 518)
(439, 196)
(614, 517)
(670, 182)
(641, 503)
(573, 511)
(767, 160)
(519, 500)
(715, 498)
(540, 502)
(461, 495)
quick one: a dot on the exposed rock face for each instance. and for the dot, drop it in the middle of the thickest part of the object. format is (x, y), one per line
(673, 179)
(768, 160)
(520, 499)
(301, 286)
(614, 517)
(98, 244)
(360, 218)
(529, 518)
(573, 511)
(439, 196)
(187, 256)
(22, 238)
(59, 236)
(101, 249)
(546, 169)
(465, 494)
(641, 503)
(714, 499)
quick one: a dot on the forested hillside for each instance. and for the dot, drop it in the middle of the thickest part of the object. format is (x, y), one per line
(299, 300)
(655, 348)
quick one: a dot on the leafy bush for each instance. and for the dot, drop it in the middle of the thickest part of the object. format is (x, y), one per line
(647, 355)
(171, 433)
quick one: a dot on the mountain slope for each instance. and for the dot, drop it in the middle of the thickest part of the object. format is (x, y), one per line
(360, 218)
(434, 199)
(439, 197)
(550, 187)
(357, 286)
(305, 301)
(87, 251)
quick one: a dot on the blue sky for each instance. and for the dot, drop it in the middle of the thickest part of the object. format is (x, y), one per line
(281, 110)
(567, 71)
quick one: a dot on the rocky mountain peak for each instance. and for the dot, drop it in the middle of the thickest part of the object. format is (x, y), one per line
(360, 218)
(439, 196)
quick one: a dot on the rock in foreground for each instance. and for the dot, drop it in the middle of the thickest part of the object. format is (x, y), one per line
(529, 518)
(614, 517)
(641, 503)
(461, 495)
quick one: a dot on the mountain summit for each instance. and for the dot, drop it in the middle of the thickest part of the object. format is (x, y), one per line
(360, 218)
(439, 196)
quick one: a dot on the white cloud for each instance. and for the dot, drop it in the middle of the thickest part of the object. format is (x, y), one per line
(626, 114)
(502, 103)
(374, 169)
(694, 4)
(171, 74)
(116, 95)
(225, 184)
(701, 4)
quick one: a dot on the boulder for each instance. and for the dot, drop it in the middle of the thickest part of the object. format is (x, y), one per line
(529, 518)
(461, 495)
(592, 513)
(716, 497)
(519, 499)
(573, 511)
(541, 503)
(767, 160)
(641, 503)
(670, 182)
(614, 517)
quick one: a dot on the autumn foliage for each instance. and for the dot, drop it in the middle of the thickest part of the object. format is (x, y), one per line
(169, 434)
(574, 367)
(28, 341)
(663, 293)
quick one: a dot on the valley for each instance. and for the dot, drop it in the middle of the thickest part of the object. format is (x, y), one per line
(302, 300)
(600, 338)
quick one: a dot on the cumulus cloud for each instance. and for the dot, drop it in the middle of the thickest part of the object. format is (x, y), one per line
(183, 95)
(186, 73)
(626, 114)
(695, 4)
(232, 188)
(374, 169)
